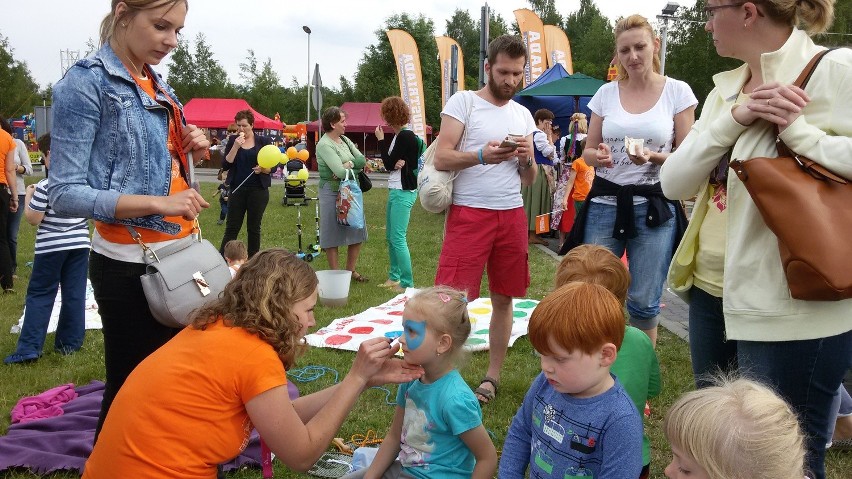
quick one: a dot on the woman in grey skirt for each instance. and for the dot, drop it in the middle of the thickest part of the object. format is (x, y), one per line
(335, 155)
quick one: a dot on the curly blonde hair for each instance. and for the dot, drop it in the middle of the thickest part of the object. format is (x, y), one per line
(260, 300)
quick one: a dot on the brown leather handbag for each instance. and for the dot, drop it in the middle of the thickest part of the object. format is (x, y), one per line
(809, 209)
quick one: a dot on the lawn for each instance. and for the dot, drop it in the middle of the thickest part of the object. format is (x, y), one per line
(371, 412)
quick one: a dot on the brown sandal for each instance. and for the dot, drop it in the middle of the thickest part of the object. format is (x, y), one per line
(359, 278)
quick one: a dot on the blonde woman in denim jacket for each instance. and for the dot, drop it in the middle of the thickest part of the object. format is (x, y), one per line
(120, 157)
(729, 266)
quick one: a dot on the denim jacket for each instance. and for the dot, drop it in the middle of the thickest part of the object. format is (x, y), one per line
(108, 139)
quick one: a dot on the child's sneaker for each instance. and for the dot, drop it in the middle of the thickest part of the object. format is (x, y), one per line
(17, 358)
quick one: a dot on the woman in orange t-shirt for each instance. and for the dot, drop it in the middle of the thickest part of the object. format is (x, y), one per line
(193, 403)
(8, 200)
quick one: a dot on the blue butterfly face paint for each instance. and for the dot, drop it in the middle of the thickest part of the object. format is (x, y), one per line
(414, 333)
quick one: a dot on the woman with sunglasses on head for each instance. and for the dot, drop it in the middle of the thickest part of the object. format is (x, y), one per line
(741, 310)
(121, 152)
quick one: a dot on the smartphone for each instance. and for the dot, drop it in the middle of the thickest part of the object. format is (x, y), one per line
(509, 143)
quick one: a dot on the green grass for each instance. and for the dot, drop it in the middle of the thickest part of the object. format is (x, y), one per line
(370, 413)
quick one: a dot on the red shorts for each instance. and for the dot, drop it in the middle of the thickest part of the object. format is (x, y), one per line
(476, 238)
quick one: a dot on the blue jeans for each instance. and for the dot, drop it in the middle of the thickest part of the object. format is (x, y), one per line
(807, 374)
(397, 217)
(13, 224)
(649, 255)
(710, 350)
(223, 209)
(840, 407)
(51, 270)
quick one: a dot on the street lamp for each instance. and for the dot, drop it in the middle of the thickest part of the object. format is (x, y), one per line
(308, 85)
(668, 12)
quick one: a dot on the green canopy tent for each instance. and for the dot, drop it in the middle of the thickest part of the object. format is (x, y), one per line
(575, 85)
(552, 95)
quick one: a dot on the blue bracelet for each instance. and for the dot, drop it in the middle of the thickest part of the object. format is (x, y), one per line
(481, 160)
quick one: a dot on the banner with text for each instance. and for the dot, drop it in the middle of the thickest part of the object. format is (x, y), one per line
(410, 78)
(558, 48)
(445, 55)
(532, 31)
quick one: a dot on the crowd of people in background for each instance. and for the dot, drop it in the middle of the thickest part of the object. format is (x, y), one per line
(768, 368)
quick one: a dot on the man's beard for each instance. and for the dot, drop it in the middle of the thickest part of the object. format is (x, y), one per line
(498, 92)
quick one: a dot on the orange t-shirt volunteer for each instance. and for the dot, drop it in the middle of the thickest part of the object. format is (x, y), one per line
(182, 410)
(583, 181)
(117, 233)
(7, 144)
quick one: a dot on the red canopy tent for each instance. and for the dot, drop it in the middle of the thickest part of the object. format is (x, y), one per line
(219, 113)
(362, 118)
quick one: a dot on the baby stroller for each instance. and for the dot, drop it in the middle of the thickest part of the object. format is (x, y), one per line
(294, 191)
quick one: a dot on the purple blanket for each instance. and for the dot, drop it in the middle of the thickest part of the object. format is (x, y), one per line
(65, 442)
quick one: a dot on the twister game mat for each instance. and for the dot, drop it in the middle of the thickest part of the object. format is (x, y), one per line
(386, 321)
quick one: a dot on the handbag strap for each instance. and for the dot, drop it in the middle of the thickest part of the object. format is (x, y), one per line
(348, 145)
(196, 226)
(801, 82)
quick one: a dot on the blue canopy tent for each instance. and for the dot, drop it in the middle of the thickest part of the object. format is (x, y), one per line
(561, 93)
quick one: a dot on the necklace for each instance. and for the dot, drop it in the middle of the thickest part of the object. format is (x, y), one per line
(141, 75)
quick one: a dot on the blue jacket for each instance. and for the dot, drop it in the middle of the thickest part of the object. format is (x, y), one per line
(108, 139)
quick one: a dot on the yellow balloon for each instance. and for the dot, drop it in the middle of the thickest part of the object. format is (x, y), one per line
(292, 180)
(304, 155)
(268, 156)
(302, 174)
(284, 158)
(291, 152)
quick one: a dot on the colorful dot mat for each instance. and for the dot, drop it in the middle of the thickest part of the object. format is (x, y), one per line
(386, 321)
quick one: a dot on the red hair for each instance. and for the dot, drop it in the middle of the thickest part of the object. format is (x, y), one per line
(577, 316)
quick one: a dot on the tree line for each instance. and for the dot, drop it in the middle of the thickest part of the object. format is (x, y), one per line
(194, 71)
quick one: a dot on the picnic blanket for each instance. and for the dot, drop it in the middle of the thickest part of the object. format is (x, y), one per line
(93, 319)
(385, 321)
(64, 442)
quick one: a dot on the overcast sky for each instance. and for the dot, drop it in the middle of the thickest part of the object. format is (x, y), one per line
(37, 30)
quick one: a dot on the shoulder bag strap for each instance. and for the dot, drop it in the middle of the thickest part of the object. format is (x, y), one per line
(800, 82)
(469, 103)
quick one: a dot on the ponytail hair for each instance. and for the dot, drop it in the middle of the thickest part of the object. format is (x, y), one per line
(579, 124)
(133, 8)
(814, 16)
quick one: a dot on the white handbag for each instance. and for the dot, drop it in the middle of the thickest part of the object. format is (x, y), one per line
(435, 187)
(183, 275)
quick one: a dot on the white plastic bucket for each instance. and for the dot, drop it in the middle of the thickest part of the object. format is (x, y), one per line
(334, 286)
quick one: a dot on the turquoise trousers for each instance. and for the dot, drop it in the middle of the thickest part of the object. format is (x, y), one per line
(398, 215)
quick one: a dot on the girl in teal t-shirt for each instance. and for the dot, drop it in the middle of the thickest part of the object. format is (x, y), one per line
(437, 429)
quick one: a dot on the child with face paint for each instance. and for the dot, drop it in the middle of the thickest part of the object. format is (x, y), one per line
(437, 427)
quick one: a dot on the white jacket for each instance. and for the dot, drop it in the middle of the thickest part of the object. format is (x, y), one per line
(757, 302)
